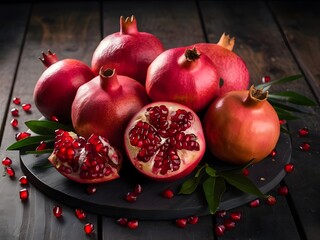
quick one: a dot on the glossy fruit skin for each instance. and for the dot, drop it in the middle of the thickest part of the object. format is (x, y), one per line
(57, 86)
(232, 69)
(173, 77)
(106, 104)
(129, 51)
(239, 128)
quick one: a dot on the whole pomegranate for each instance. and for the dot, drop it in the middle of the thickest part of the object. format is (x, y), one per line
(185, 76)
(164, 141)
(91, 161)
(57, 86)
(241, 126)
(129, 51)
(106, 104)
(232, 69)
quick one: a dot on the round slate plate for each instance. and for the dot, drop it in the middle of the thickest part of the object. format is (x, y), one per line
(150, 205)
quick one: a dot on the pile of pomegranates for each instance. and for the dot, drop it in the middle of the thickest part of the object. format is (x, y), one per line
(158, 109)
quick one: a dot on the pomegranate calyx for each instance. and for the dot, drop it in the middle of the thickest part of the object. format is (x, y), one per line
(128, 25)
(226, 42)
(48, 59)
(192, 54)
(256, 96)
(109, 79)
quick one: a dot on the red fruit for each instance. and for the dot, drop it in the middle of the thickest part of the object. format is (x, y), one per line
(57, 211)
(24, 194)
(16, 100)
(14, 122)
(133, 224)
(255, 203)
(271, 200)
(241, 126)
(193, 219)
(129, 51)
(42, 146)
(231, 68)
(91, 161)
(184, 76)
(236, 215)
(22, 135)
(221, 213)
(14, 112)
(88, 228)
(131, 197)
(123, 221)
(80, 214)
(229, 224)
(245, 171)
(219, 229)
(165, 141)
(167, 193)
(289, 168)
(181, 222)
(6, 161)
(304, 147)
(10, 171)
(273, 153)
(91, 189)
(283, 191)
(303, 132)
(266, 79)
(137, 189)
(57, 86)
(26, 107)
(106, 104)
(23, 180)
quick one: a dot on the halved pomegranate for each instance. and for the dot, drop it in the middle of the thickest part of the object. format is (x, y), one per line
(85, 161)
(165, 141)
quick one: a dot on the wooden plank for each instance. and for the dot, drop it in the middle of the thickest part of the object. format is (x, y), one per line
(71, 30)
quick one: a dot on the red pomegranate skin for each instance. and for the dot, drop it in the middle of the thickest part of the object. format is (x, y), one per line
(128, 51)
(105, 105)
(57, 86)
(193, 83)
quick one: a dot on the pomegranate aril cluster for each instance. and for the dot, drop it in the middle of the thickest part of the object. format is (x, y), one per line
(182, 222)
(131, 224)
(133, 195)
(15, 111)
(226, 221)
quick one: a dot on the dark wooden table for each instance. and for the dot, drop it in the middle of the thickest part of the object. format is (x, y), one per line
(274, 38)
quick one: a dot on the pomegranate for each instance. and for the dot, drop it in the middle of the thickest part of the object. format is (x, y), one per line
(91, 161)
(129, 51)
(57, 86)
(232, 69)
(106, 104)
(165, 141)
(241, 126)
(184, 76)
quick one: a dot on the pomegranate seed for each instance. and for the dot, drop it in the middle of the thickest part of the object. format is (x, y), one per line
(305, 146)
(131, 197)
(14, 122)
(91, 189)
(6, 161)
(80, 214)
(219, 229)
(14, 112)
(255, 203)
(221, 213)
(283, 190)
(303, 132)
(16, 100)
(266, 79)
(123, 221)
(193, 219)
(133, 224)
(236, 215)
(26, 107)
(41, 146)
(271, 200)
(168, 193)
(245, 171)
(24, 194)
(137, 189)
(289, 168)
(273, 153)
(282, 121)
(23, 180)
(229, 224)
(181, 222)
(88, 228)
(57, 211)
(54, 118)
(22, 135)
(10, 171)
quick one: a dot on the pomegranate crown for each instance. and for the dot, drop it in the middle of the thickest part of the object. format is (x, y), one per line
(48, 59)
(128, 25)
(226, 41)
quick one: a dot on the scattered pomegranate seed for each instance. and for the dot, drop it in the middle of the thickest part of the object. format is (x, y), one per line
(219, 229)
(168, 193)
(23, 180)
(273, 153)
(255, 203)
(26, 107)
(88, 228)
(181, 222)
(303, 132)
(91, 189)
(266, 79)
(236, 215)
(137, 189)
(10, 171)
(229, 224)
(14, 112)
(193, 219)
(289, 168)
(131, 197)
(221, 213)
(123, 221)
(305, 146)
(14, 123)
(22, 135)
(282, 121)
(16, 100)
(245, 171)
(24, 194)
(133, 224)
(6, 161)
(41, 146)
(57, 211)
(54, 118)
(283, 190)
(271, 200)
(80, 214)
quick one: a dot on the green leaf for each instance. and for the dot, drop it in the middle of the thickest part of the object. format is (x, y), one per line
(213, 188)
(278, 81)
(30, 141)
(211, 172)
(45, 127)
(40, 151)
(190, 185)
(286, 107)
(292, 97)
(241, 182)
(284, 115)
(199, 171)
